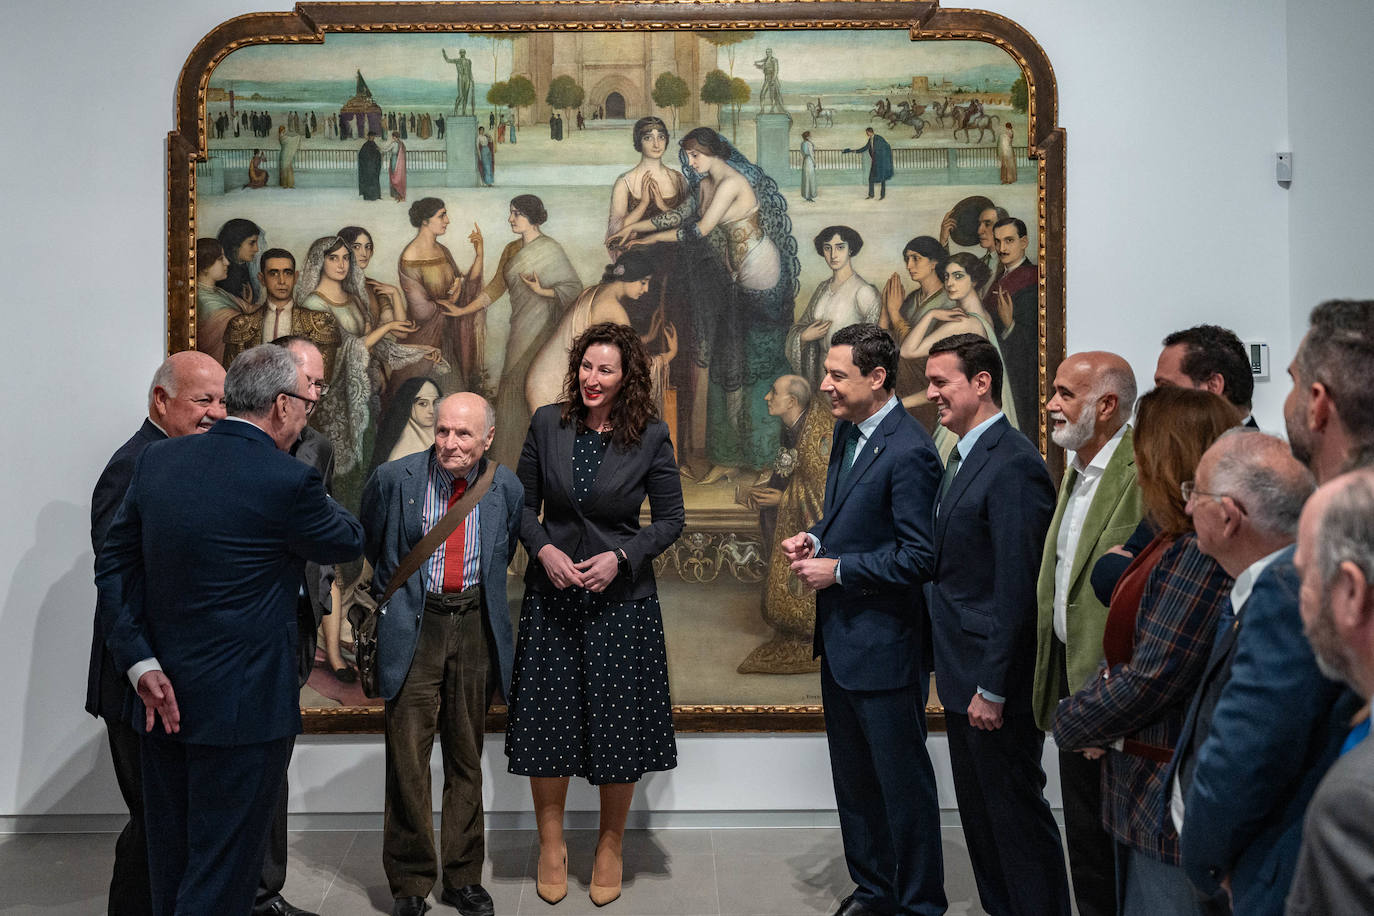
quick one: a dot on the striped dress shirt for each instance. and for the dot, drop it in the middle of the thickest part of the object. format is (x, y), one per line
(437, 491)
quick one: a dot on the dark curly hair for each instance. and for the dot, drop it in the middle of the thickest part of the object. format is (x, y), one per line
(634, 406)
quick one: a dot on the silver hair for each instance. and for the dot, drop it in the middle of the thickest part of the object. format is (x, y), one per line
(1120, 382)
(165, 378)
(1345, 532)
(354, 285)
(488, 412)
(1259, 471)
(255, 379)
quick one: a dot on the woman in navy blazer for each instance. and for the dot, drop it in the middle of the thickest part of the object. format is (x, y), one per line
(590, 693)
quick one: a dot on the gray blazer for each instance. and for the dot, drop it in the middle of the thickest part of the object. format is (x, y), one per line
(393, 503)
(1335, 873)
(609, 518)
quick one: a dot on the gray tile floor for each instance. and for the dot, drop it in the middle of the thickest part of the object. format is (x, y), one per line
(744, 872)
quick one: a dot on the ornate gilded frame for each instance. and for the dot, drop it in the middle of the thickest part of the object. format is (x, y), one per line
(925, 21)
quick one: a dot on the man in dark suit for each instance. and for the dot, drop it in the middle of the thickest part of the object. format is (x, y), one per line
(186, 397)
(1210, 357)
(443, 643)
(991, 518)
(1242, 776)
(1014, 301)
(311, 447)
(866, 559)
(201, 570)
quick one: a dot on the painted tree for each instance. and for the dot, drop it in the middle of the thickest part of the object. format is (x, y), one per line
(716, 90)
(498, 96)
(496, 40)
(739, 94)
(519, 94)
(671, 91)
(564, 94)
(727, 40)
(1020, 96)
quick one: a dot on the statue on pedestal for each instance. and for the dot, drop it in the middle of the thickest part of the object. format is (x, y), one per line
(770, 96)
(466, 102)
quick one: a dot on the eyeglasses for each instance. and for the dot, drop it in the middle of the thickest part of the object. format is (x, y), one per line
(321, 388)
(1188, 489)
(309, 402)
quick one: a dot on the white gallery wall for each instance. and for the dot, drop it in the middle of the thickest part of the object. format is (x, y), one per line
(1174, 111)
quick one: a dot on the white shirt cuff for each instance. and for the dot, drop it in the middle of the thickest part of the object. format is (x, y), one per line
(141, 668)
(990, 696)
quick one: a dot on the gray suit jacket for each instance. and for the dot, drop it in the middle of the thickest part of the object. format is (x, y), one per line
(1336, 866)
(393, 503)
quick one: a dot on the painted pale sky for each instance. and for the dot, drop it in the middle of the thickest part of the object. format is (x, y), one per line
(884, 57)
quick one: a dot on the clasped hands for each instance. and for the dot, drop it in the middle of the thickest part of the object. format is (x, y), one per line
(593, 573)
(814, 572)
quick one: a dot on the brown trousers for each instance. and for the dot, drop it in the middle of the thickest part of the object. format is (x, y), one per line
(446, 691)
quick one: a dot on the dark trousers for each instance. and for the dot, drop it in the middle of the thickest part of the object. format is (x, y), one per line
(1092, 850)
(1013, 841)
(885, 793)
(130, 894)
(274, 859)
(208, 809)
(446, 690)
(880, 184)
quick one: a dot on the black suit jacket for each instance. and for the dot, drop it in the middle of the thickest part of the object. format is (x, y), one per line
(203, 566)
(108, 692)
(989, 537)
(610, 516)
(871, 627)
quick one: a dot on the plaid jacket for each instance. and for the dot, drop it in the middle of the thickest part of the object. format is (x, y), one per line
(1146, 699)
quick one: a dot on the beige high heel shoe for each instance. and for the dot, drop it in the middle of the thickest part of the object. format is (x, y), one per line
(603, 894)
(552, 891)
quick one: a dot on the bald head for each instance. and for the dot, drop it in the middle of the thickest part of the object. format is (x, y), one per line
(1094, 392)
(463, 429)
(187, 393)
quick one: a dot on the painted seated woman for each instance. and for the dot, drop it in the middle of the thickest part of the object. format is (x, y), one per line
(215, 307)
(961, 275)
(742, 272)
(649, 189)
(331, 281)
(843, 299)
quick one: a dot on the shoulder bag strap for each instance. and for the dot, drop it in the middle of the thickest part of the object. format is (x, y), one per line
(440, 532)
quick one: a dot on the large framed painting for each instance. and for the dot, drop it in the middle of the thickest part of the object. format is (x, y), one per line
(429, 187)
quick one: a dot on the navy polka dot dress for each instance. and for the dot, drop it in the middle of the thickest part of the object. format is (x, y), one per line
(589, 695)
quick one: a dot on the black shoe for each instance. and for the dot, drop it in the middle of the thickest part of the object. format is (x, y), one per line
(409, 906)
(851, 907)
(346, 675)
(470, 899)
(277, 906)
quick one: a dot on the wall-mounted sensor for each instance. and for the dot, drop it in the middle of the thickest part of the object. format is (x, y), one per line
(1283, 168)
(1259, 359)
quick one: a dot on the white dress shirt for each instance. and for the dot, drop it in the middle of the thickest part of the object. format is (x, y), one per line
(1071, 526)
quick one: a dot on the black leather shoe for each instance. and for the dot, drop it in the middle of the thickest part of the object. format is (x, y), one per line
(851, 907)
(277, 906)
(409, 906)
(470, 899)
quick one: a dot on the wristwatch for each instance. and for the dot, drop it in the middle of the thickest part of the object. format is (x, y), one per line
(622, 561)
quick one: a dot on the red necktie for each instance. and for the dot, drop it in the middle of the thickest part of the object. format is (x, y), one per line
(453, 547)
